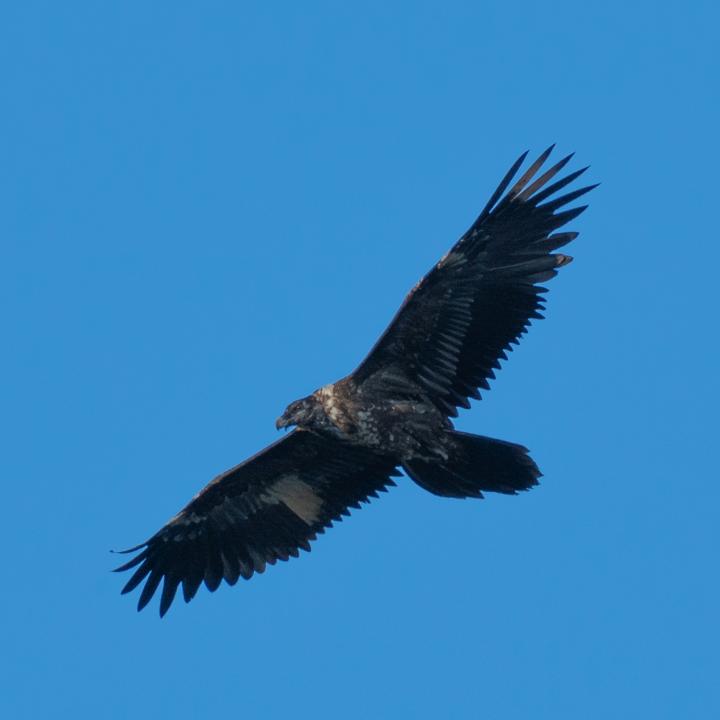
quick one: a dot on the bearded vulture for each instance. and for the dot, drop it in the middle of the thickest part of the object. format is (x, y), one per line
(393, 411)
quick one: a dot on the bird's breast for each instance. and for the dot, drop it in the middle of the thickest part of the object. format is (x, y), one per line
(337, 407)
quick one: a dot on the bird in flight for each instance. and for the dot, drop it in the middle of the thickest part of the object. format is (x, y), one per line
(350, 437)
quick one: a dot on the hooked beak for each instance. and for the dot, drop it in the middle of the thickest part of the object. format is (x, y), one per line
(281, 422)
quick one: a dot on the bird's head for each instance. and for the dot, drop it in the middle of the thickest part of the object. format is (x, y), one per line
(300, 413)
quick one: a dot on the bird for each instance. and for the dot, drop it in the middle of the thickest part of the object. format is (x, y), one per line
(347, 441)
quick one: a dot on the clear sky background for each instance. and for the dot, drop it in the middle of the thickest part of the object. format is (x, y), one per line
(210, 209)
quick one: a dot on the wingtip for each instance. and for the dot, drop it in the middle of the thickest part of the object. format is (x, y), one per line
(562, 260)
(545, 154)
(129, 550)
(144, 600)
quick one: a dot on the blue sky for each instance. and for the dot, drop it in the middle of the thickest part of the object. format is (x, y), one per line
(210, 209)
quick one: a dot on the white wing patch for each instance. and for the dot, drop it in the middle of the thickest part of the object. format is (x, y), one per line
(298, 496)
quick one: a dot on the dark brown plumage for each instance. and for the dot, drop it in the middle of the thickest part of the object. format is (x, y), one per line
(443, 345)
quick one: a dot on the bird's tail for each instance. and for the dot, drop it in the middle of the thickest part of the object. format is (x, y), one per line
(476, 463)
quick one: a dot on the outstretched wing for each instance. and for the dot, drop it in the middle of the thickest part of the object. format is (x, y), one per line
(463, 316)
(264, 510)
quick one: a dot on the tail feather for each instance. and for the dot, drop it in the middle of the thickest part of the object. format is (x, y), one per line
(476, 463)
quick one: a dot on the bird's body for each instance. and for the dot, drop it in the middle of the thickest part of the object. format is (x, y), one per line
(400, 424)
(394, 410)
